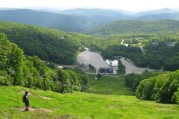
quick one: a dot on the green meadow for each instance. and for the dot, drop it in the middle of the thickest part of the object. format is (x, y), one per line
(107, 98)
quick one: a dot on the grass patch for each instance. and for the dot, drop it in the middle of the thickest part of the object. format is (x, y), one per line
(107, 98)
(110, 86)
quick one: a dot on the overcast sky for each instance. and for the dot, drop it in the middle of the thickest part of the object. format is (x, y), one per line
(130, 5)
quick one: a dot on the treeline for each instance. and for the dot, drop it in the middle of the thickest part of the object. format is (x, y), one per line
(31, 72)
(163, 88)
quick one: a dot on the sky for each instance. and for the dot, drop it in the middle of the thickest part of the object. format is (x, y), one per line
(129, 5)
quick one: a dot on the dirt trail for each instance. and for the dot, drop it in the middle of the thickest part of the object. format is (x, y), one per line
(34, 109)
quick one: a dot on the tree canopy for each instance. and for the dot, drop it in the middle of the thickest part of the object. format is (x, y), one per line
(32, 72)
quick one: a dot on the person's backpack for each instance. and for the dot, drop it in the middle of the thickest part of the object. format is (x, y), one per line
(23, 98)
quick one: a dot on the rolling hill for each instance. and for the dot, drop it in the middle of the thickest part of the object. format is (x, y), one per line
(80, 20)
(76, 20)
(102, 16)
(174, 16)
(136, 27)
(49, 44)
(75, 23)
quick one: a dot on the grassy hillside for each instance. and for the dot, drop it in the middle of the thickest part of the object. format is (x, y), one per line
(107, 99)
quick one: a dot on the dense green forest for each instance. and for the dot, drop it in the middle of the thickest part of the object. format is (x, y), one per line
(162, 88)
(136, 27)
(48, 44)
(32, 72)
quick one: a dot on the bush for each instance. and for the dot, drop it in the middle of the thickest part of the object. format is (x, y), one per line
(163, 88)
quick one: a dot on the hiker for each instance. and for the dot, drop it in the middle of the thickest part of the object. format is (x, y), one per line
(26, 101)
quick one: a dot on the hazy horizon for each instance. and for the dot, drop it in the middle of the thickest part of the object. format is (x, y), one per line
(126, 5)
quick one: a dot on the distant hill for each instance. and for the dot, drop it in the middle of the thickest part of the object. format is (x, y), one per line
(136, 27)
(80, 20)
(159, 11)
(160, 14)
(72, 23)
(100, 15)
(49, 44)
(174, 16)
(71, 20)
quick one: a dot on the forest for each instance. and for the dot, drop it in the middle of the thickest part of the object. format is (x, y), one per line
(32, 72)
(133, 27)
(163, 88)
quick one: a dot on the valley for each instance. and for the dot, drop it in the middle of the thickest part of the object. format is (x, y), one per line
(57, 55)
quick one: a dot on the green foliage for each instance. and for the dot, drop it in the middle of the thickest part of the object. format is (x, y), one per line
(5, 79)
(121, 68)
(32, 72)
(145, 89)
(133, 80)
(11, 57)
(162, 88)
(136, 27)
(50, 45)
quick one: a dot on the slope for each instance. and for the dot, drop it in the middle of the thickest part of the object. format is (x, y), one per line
(47, 104)
(49, 44)
(136, 27)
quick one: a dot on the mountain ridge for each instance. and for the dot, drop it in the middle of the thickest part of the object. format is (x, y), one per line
(79, 20)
